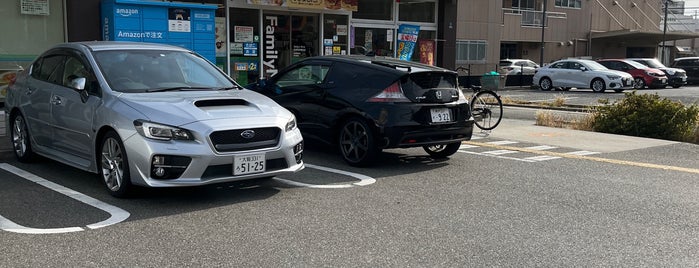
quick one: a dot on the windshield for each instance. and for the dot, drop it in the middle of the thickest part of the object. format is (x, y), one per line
(137, 71)
(593, 65)
(653, 63)
(636, 64)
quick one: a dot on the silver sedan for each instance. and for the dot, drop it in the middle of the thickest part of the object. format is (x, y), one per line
(147, 115)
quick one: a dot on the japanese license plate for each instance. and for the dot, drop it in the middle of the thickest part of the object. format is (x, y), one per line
(440, 115)
(248, 164)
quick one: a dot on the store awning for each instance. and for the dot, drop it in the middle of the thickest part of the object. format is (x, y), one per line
(640, 37)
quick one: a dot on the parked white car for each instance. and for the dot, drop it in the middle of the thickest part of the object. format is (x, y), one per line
(579, 73)
(518, 66)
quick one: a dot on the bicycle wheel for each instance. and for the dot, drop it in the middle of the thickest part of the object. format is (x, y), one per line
(486, 108)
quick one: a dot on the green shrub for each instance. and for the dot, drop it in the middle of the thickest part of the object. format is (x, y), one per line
(648, 115)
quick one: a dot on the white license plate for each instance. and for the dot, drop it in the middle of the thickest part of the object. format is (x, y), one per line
(248, 164)
(663, 81)
(440, 115)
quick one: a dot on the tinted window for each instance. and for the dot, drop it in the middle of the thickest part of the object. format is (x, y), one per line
(559, 65)
(50, 69)
(304, 75)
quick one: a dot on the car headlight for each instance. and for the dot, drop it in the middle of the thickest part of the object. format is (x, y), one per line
(613, 77)
(161, 132)
(670, 72)
(291, 125)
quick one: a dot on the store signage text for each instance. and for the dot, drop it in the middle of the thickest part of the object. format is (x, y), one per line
(126, 12)
(270, 51)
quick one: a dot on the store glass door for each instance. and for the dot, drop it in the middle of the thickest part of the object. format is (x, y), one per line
(288, 39)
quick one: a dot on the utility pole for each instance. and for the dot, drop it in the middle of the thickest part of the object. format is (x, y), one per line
(543, 28)
(662, 52)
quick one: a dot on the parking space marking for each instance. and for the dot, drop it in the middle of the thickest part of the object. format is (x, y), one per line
(582, 153)
(363, 179)
(498, 156)
(500, 152)
(542, 158)
(583, 157)
(541, 147)
(502, 142)
(117, 214)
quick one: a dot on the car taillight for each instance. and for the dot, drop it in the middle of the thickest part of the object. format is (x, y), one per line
(392, 93)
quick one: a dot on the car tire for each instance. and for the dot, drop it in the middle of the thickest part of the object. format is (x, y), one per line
(639, 83)
(441, 151)
(598, 85)
(114, 165)
(357, 143)
(676, 86)
(545, 84)
(21, 139)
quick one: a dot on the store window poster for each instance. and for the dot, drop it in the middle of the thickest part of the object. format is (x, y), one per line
(407, 37)
(179, 20)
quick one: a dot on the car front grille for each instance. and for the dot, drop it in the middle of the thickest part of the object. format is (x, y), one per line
(234, 140)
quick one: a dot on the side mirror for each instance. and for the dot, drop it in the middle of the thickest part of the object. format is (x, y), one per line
(77, 83)
(582, 68)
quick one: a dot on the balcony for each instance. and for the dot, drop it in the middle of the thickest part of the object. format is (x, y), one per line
(531, 18)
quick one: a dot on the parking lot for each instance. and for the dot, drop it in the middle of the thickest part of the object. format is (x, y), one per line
(521, 195)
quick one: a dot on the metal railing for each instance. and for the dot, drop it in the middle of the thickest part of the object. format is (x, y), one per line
(533, 18)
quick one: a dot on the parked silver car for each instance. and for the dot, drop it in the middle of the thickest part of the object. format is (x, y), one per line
(580, 73)
(148, 115)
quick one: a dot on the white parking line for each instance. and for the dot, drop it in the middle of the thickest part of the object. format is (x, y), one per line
(502, 142)
(542, 158)
(363, 179)
(117, 215)
(582, 153)
(500, 152)
(540, 147)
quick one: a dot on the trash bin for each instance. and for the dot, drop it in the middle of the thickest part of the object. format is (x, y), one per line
(491, 81)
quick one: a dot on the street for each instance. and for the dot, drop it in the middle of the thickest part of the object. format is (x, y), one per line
(521, 195)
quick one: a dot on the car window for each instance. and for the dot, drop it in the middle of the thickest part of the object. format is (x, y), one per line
(574, 65)
(49, 69)
(304, 75)
(75, 68)
(687, 63)
(559, 65)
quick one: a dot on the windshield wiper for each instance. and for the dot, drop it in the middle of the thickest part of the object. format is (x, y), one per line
(229, 88)
(175, 89)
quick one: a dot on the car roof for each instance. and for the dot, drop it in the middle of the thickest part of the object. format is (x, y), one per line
(382, 62)
(687, 58)
(119, 45)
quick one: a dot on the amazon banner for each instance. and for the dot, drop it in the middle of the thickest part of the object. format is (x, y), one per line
(347, 5)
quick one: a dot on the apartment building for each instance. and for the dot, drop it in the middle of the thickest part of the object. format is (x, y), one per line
(548, 30)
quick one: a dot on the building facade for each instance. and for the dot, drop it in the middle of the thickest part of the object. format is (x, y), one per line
(254, 38)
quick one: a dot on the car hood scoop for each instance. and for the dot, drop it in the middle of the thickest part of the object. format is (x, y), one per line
(220, 102)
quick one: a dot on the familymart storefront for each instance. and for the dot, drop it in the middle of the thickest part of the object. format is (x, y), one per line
(267, 35)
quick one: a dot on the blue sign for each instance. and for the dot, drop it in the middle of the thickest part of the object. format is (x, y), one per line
(407, 38)
(250, 49)
(187, 25)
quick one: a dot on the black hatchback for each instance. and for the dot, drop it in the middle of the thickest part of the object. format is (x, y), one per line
(364, 104)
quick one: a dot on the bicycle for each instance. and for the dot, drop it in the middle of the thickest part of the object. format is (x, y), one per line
(486, 106)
